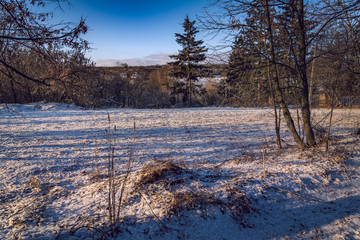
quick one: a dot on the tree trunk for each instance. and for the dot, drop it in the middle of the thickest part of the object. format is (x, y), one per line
(311, 87)
(277, 121)
(259, 91)
(278, 92)
(305, 107)
(13, 90)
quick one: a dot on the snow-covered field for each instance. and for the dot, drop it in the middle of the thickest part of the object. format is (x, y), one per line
(195, 174)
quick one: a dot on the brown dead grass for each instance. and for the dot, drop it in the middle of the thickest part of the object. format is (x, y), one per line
(357, 131)
(190, 200)
(159, 171)
(337, 156)
(34, 183)
(165, 182)
(237, 202)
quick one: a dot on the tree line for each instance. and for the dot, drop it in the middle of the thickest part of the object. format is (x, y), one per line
(284, 54)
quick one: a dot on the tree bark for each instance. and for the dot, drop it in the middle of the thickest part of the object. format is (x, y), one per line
(311, 87)
(277, 121)
(305, 107)
(278, 92)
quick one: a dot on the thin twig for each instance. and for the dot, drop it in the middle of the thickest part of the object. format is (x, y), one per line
(128, 171)
(152, 211)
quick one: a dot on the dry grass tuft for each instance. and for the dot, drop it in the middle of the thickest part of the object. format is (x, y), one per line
(357, 128)
(191, 200)
(236, 203)
(357, 131)
(34, 183)
(337, 156)
(176, 190)
(159, 171)
(96, 176)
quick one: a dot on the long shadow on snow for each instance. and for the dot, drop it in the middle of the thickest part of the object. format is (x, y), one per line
(197, 141)
(293, 221)
(284, 223)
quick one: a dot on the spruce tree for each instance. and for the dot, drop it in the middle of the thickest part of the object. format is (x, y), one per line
(238, 69)
(187, 64)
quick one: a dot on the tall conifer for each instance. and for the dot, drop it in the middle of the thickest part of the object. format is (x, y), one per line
(187, 64)
(239, 65)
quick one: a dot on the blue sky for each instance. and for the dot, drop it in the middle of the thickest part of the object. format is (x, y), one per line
(138, 32)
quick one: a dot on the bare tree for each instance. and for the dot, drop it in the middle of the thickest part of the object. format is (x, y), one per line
(25, 28)
(299, 32)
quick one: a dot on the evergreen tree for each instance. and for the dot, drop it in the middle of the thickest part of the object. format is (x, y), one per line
(239, 67)
(187, 62)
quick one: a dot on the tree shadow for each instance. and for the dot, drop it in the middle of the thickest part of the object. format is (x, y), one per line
(279, 219)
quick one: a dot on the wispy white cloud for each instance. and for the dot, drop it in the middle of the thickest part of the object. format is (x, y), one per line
(153, 59)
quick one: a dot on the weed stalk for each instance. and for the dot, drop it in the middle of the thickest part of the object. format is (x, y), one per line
(114, 204)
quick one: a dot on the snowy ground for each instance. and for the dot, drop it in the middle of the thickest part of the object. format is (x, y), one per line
(195, 174)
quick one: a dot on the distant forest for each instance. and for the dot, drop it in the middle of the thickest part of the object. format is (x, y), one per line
(152, 87)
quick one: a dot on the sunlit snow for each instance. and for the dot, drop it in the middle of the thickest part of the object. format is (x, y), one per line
(50, 152)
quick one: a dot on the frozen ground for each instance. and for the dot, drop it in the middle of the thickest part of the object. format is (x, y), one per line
(196, 174)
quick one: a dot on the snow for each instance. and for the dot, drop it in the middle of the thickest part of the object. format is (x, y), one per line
(54, 185)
